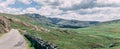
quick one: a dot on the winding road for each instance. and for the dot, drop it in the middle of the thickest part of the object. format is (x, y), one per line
(12, 40)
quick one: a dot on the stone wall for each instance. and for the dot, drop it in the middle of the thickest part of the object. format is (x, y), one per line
(39, 43)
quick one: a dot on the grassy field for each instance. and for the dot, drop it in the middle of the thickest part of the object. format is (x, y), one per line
(104, 34)
(100, 37)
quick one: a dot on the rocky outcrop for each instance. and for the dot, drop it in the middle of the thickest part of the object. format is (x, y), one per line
(39, 43)
(33, 27)
(4, 24)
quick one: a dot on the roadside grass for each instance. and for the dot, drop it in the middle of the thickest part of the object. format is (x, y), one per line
(2, 34)
(28, 44)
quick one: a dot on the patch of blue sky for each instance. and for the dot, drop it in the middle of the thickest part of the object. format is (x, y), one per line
(24, 6)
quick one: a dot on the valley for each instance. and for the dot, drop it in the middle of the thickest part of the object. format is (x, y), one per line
(104, 35)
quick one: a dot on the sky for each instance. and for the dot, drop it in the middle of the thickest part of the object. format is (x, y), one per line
(85, 10)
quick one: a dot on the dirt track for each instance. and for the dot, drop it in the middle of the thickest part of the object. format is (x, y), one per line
(12, 40)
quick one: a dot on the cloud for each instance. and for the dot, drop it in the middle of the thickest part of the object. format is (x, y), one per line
(30, 10)
(92, 14)
(70, 3)
(100, 10)
(10, 10)
(6, 3)
(48, 10)
(25, 1)
(105, 10)
(108, 1)
(93, 17)
(84, 4)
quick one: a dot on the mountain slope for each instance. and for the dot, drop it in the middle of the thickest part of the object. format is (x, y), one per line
(61, 22)
(106, 34)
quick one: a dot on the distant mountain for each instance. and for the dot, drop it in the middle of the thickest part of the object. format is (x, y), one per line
(40, 19)
(62, 23)
(71, 23)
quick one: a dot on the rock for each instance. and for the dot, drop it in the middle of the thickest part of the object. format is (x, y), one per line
(4, 25)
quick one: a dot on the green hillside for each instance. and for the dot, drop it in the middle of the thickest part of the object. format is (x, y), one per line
(103, 36)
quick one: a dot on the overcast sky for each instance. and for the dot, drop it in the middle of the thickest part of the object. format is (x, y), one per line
(100, 10)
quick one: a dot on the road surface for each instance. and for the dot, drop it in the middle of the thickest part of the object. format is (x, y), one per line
(12, 40)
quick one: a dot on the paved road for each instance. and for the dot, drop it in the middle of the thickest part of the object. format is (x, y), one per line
(12, 40)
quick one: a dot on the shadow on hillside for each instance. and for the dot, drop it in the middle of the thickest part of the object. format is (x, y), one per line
(39, 43)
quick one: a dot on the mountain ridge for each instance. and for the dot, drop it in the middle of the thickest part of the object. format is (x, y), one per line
(62, 23)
